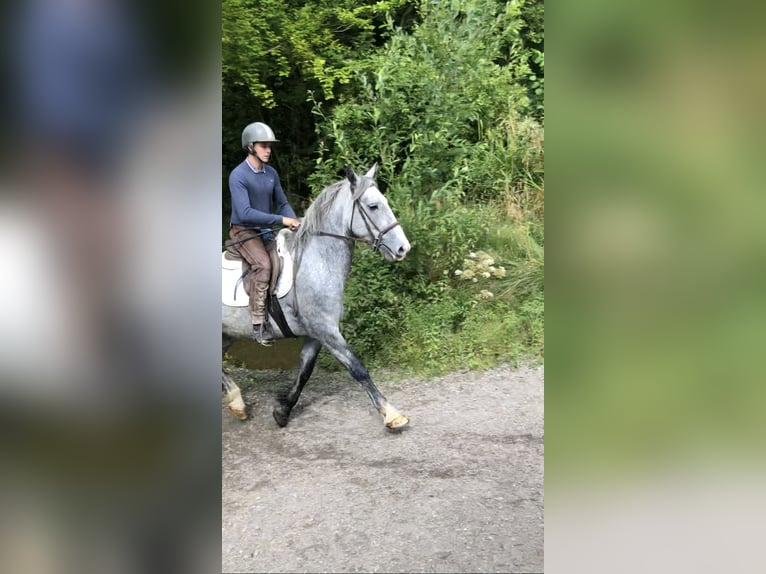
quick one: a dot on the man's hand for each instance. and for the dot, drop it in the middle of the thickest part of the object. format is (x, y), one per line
(293, 224)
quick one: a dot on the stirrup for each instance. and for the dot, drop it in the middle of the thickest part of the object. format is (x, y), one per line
(262, 334)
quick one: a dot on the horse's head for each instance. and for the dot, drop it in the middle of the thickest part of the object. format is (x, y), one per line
(372, 219)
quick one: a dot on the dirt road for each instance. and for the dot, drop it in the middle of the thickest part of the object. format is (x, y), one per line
(461, 490)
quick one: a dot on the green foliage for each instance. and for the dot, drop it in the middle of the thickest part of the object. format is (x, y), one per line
(421, 315)
(266, 41)
(425, 98)
(486, 335)
(507, 164)
(438, 110)
(528, 49)
(250, 40)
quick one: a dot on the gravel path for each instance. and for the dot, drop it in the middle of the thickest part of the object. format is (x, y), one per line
(461, 490)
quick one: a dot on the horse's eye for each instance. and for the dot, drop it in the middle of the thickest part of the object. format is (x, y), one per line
(373, 206)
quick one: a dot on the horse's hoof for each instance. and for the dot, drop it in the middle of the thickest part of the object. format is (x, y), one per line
(240, 413)
(397, 423)
(280, 416)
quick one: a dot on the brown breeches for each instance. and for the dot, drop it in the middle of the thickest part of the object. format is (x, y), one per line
(256, 266)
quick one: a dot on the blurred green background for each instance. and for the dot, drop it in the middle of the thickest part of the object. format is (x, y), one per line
(656, 287)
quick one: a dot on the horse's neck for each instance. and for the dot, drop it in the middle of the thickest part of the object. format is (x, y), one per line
(334, 254)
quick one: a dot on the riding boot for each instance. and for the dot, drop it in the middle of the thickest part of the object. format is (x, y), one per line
(263, 334)
(261, 328)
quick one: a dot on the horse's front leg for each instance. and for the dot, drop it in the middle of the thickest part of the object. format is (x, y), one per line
(392, 418)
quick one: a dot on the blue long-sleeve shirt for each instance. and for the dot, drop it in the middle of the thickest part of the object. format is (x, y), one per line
(256, 196)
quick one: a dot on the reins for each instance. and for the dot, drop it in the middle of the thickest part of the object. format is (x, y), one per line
(228, 244)
(373, 241)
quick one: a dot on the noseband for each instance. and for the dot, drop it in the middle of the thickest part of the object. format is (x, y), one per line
(374, 241)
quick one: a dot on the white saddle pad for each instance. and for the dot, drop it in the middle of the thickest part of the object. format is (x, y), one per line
(233, 291)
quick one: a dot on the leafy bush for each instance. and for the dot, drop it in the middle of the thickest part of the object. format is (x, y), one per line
(440, 108)
(424, 100)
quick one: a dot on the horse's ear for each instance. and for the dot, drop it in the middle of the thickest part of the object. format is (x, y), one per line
(371, 173)
(350, 174)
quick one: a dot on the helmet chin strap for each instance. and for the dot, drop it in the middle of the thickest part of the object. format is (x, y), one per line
(251, 151)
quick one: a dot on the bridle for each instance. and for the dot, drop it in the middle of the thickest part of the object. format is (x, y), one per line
(375, 240)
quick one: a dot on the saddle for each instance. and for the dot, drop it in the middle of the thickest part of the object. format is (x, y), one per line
(233, 269)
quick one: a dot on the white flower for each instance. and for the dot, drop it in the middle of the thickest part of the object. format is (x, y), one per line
(472, 255)
(458, 273)
(474, 280)
(485, 274)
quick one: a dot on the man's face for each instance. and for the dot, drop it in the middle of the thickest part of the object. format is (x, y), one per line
(263, 151)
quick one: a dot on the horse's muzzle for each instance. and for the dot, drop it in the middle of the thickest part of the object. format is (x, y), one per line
(403, 250)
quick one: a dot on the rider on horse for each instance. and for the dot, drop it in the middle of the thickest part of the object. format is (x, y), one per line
(255, 188)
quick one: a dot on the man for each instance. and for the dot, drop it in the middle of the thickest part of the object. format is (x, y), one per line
(255, 188)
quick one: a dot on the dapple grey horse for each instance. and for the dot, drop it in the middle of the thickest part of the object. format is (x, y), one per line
(349, 210)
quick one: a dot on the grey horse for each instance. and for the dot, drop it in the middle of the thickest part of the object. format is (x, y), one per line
(349, 210)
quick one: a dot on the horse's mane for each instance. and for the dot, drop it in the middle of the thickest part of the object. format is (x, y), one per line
(320, 208)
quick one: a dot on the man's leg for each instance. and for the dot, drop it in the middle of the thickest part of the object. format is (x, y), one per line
(257, 281)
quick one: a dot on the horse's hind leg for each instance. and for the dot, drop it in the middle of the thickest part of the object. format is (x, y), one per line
(233, 395)
(392, 418)
(285, 404)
